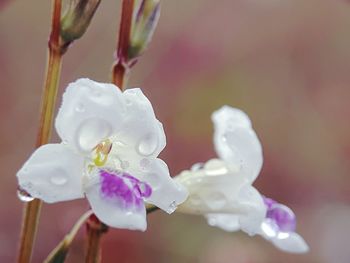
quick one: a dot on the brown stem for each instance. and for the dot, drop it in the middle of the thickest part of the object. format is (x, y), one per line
(95, 230)
(32, 210)
(120, 75)
(121, 68)
(59, 253)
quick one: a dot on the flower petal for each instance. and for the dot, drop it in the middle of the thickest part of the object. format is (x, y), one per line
(215, 189)
(251, 220)
(236, 142)
(141, 131)
(167, 194)
(226, 222)
(290, 242)
(53, 173)
(90, 112)
(115, 203)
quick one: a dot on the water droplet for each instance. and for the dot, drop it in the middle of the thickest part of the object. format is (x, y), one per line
(212, 221)
(269, 228)
(224, 138)
(124, 165)
(197, 166)
(144, 163)
(217, 201)
(283, 235)
(148, 145)
(91, 132)
(283, 216)
(215, 167)
(171, 208)
(58, 180)
(23, 195)
(128, 102)
(80, 108)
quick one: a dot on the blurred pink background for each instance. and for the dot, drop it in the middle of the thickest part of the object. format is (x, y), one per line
(285, 62)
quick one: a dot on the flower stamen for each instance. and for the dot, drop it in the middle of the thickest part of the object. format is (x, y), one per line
(102, 150)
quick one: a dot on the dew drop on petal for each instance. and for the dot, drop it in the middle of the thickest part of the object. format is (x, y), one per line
(195, 199)
(80, 108)
(23, 195)
(217, 201)
(90, 132)
(212, 221)
(283, 216)
(58, 180)
(148, 145)
(283, 235)
(171, 208)
(128, 102)
(197, 166)
(144, 163)
(215, 167)
(269, 228)
(124, 165)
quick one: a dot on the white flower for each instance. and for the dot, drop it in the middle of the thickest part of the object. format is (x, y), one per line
(222, 190)
(110, 143)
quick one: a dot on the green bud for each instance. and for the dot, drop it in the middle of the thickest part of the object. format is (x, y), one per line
(144, 22)
(76, 19)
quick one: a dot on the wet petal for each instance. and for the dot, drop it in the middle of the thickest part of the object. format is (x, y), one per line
(141, 131)
(236, 142)
(215, 189)
(226, 222)
(290, 242)
(248, 217)
(115, 200)
(167, 194)
(90, 112)
(53, 173)
(255, 209)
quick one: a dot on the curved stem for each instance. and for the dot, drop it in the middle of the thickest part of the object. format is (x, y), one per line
(59, 253)
(32, 210)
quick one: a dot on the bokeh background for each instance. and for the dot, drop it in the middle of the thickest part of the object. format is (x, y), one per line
(286, 63)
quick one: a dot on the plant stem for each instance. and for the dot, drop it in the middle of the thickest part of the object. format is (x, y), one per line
(95, 230)
(120, 70)
(32, 209)
(59, 253)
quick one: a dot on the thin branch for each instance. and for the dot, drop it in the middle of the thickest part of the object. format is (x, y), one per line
(121, 68)
(31, 212)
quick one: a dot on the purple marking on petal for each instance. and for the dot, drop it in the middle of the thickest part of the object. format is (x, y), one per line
(144, 189)
(269, 202)
(124, 188)
(281, 215)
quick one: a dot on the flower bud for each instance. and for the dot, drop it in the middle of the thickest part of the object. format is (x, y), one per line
(144, 22)
(76, 19)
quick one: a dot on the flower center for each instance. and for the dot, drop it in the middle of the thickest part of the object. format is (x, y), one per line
(101, 152)
(123, 187)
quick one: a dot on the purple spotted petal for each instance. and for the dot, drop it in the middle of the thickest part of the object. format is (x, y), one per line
(269, 202)
(281, 215)
(123, 188)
